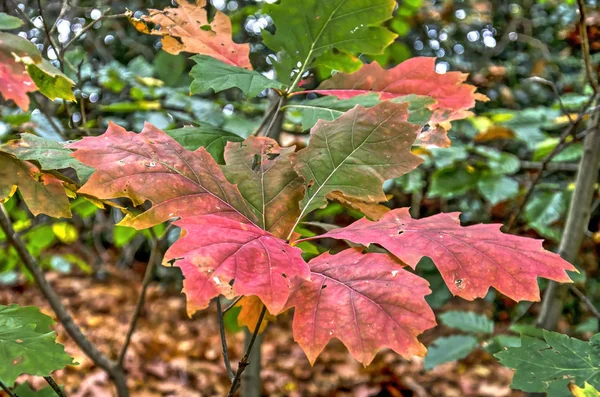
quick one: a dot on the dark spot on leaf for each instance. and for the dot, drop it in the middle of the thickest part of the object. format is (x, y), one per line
(324, 286)
(283, 275)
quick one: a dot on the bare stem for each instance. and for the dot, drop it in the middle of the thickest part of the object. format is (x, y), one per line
(235, 383)
(139, 306)
(54, 386)
(224, 341)
(585, 301)
(7, 390)
(59, 309)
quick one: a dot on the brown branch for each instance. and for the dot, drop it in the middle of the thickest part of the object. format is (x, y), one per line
(585, 47)
(55, 387)
(562, 144)
(59, 309)
(155, 257)
(7, 390)
(224, 341)
(235, 383)
(585, 301)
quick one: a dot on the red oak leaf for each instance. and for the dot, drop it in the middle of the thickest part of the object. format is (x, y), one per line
(221, 241)
(153, 166)
(413, 76)
(365, 300)
(216, 249)
(187, 28)
(471, 259)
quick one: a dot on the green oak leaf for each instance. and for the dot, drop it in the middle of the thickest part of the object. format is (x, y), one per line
(452, 181)
(26, 345)
(330, 108)
(356, 153)
(8, 22)
(467, 321)
(447, 349)
(549, 365)
(546, 208)
(310, 28)
(51, 155)
(211, 138)
(210, 73)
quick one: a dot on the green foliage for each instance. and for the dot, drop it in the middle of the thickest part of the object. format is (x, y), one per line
(210, 73)
(468, 322)
(347, 26)
(8, 22)
(451, 348)
(27, 346)
(24, 390)
(550, 364)
(211, 138)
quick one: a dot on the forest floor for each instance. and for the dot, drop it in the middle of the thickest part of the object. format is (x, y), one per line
(173, 355)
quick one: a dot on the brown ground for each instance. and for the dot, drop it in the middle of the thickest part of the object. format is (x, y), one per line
(172, 355)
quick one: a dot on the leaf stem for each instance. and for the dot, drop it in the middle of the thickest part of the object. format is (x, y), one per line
(224, 341)
(232, 304)
(235, 383)
(54, 386)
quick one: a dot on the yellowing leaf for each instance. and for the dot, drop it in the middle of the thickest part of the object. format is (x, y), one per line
(251, 306)
(65, 232)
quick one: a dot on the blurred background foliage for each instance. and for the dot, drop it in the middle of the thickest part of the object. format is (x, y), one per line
(524, 55)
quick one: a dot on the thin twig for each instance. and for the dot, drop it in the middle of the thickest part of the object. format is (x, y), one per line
(48, 35)
(232, 304)
(235, 383)
(155, 255)
(91, 25)
(550, 84)
(562, 143)
(54, 386)
(224, 341)
(585, 47)
(59, 309)
(586, 301)
(7, 390)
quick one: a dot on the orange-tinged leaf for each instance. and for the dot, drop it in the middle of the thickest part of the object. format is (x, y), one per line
(471, 259)
(368, 301)
(373, 211)
(43, 193)
(250, 308)
(267, 180)
(215, 250)
(153, 166)
(417, 76)
(187, 28)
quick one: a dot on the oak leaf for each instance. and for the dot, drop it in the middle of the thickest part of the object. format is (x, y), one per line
(453, 98)
(221, 250)
(356, 153)
(225, 254)
(43, 193)
(187, 28)
(310, 28)
(153, 166)
(266, 178)
(470, 259)
(368, 301)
